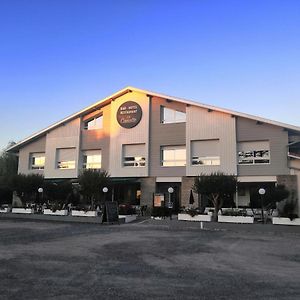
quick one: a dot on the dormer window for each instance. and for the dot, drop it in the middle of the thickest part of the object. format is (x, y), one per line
(169, 116)
(94, 123)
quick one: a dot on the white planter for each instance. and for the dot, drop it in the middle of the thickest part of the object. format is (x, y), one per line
(197, 218)
(235, 219)
(285, 221)
(22, 210)
(81, 213)
(4, 210)
(128, 218)
(48, 211)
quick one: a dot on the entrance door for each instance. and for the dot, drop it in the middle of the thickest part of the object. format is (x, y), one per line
(162, 188)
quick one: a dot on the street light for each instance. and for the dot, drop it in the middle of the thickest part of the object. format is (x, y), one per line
(170, 206)
(40, 191)
(262, 191)
(105, 190)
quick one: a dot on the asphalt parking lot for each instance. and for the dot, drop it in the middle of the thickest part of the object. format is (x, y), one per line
(149, 260)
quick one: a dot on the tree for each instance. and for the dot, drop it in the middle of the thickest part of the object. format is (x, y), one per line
(217, 187)
(8, 168)
(26, 186)
(8, 162)
(91, 184)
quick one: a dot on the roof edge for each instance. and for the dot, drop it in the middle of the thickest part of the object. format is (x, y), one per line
(127, 89)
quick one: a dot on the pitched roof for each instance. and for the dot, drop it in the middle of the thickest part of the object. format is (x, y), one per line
(150, 93)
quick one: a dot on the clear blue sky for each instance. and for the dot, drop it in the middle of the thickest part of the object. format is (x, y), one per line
(58, 56)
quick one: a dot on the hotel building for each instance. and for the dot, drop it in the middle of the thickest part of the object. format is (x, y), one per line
(149, 142)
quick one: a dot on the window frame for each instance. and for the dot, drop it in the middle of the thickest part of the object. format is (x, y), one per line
(175, 147)
(93, 119)
(251, 157)
(35, 166)
(85, 155)
(174, 120)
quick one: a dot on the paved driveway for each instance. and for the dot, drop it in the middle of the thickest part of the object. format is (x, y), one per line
(152, 260)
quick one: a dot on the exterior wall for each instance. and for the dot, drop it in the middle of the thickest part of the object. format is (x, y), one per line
(186, 186)
(164, 135)
(24, 155)
(65, 136)
(136, 135)
(205, 125)
(148, 189)
(98, 138)
(248, 130)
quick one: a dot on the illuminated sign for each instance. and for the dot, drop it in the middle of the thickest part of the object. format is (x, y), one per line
(129, 114)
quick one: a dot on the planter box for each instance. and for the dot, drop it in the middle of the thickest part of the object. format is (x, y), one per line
(22, 210)
(4, 210)
(197, 218)
(285, 221)
(81, 213)
(128, 218)
(235, 219)
(48, 211)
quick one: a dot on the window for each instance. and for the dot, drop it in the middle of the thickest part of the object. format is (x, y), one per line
(95, 123)
(205, 153)
(169, 115)
(250, 153)
(65, 158)
(92, 159)
(37, 161)
(173, 156)
(134, 155)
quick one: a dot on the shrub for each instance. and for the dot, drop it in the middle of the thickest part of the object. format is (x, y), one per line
(160, 212)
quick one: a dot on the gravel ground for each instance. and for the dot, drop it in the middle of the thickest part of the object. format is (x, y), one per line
(149, 260)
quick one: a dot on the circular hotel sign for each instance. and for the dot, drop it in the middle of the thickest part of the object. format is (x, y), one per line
(129, 114)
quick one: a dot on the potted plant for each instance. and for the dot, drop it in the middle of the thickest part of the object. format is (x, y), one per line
(235, 216)
(287, 215)
(193, 214)
(127, 212)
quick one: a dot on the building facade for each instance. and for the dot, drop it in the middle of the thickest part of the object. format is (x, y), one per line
(149, 142)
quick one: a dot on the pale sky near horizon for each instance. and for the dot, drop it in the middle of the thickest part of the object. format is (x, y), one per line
(57, 57)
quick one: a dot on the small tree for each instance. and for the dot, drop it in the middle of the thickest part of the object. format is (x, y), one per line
(26, 186)
(91, 184)
(217, 187)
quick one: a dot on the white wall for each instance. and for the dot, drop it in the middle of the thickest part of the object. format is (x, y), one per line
(204, 125)
(65, 136)
(136, 135)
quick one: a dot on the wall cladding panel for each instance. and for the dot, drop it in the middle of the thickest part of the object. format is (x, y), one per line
(205, 125)
(36, 146)
(249, 130)
(164, 135)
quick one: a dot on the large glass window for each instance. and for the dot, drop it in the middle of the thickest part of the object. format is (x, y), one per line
(254, 153)
(205, 153)
(134, 155)
(94, 123)
(173, 156)
(65, 158)
(92, 159)
(169, 115)
(37, 161)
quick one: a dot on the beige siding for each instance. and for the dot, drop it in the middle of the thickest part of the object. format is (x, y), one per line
(164, 135)
(120, 136)
(99, 138)
(248, 130)
(65, 136)
(205, 125)
(36, 146)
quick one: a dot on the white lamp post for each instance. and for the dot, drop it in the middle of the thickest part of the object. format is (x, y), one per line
(262, 191)
(105, 190)
(170, 191)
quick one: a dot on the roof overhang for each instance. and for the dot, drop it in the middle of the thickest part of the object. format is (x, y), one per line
(128, 89)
